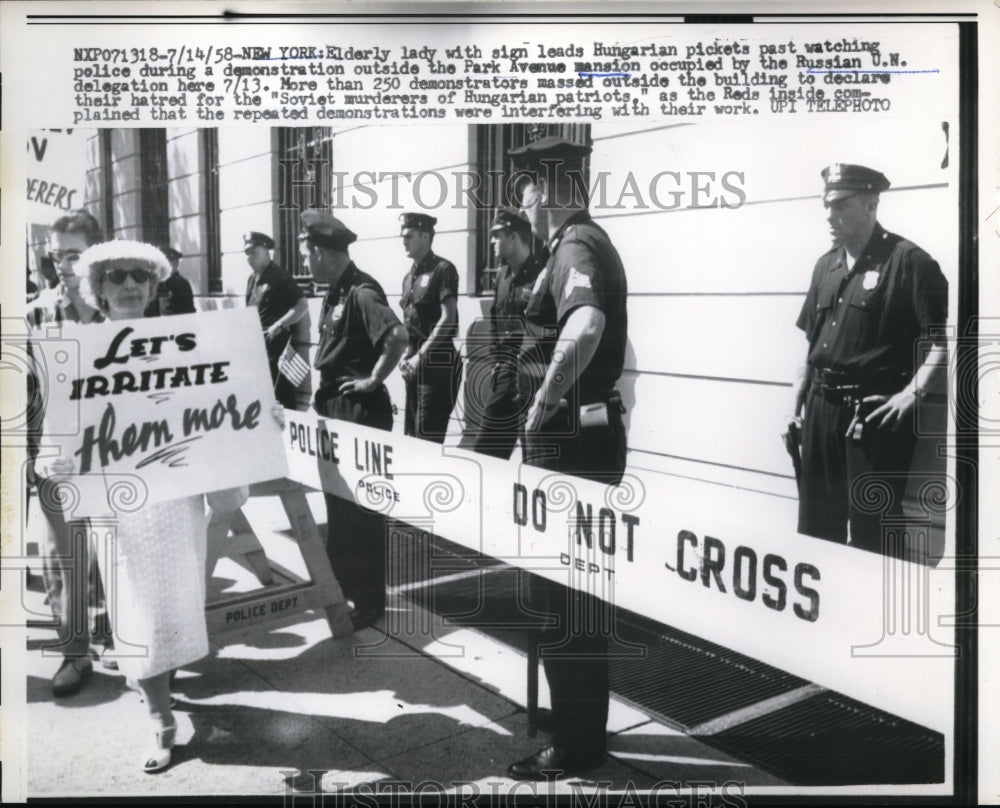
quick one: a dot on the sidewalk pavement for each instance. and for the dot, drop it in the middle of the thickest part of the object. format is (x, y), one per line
(426, 708)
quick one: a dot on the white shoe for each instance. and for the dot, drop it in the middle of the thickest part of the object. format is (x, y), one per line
(159, 758)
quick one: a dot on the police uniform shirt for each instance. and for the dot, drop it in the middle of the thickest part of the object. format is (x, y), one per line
(584, 270)
(426, 286)
(273, 292)
(513, 291)
(353, 320)
(175, 295)
(866, 321)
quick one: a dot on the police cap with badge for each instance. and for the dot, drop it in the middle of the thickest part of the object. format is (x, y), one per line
(510, 221)
(551, 149)
(843, 180)
(171, 254)
(323, 229)
(416, 221)
(255, 239)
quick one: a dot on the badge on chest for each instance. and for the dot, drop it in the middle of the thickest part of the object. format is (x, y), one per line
(333, 318)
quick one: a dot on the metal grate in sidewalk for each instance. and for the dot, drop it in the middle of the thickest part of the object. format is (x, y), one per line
(831, 739)
(806, 735)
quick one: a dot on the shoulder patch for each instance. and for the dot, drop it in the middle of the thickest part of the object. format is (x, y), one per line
(576, 280)
(539, 281)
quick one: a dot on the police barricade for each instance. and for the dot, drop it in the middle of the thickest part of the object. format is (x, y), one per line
(284, 594)
(689, 554)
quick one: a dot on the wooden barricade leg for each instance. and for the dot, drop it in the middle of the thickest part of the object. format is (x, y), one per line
(243, 541)
(278, 600)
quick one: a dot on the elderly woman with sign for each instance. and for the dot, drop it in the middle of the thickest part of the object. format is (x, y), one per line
(155, 564)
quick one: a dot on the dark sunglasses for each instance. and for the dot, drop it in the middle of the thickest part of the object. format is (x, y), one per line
(139, 275)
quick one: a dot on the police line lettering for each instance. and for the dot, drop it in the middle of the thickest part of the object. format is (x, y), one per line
(370, 457)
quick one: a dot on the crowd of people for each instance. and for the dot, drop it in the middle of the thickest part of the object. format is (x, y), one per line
(558, 334)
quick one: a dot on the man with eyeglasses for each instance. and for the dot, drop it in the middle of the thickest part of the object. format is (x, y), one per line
(69, 569)
(68, 237)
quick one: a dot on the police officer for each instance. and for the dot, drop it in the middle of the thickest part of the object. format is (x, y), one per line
(432, 366)
(871, 302)
(498, 418)
(574, 425)
(174, 294)
(280, 304)
(360, 343)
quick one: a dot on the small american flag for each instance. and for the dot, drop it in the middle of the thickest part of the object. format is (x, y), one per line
(292, 366)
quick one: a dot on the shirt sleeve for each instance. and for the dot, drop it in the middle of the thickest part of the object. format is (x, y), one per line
(577, 279)
(375, 313)
(807, 315)
(447, 280)
(929, 289)
(287, 291)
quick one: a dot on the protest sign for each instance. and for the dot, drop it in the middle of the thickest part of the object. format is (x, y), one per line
(182, 405)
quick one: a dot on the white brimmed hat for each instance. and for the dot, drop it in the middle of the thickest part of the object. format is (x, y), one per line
(123, 249)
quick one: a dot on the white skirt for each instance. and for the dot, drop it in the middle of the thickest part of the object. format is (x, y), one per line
(154, 582)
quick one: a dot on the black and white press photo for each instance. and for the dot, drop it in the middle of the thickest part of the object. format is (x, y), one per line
(476, 405)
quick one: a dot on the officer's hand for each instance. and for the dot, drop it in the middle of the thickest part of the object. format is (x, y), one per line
(408, 367)
(793, 429)
(891, 412)
(278, 414)
(358, 386)
(540, 412)
(272, 332)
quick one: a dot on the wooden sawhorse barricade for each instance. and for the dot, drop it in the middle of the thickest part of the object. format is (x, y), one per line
(283, 594)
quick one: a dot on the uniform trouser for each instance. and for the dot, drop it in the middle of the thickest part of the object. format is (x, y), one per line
(851, 482)
(574, 648)
(356, 536)
(431, 396)
(72, 580)
(495, 427)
